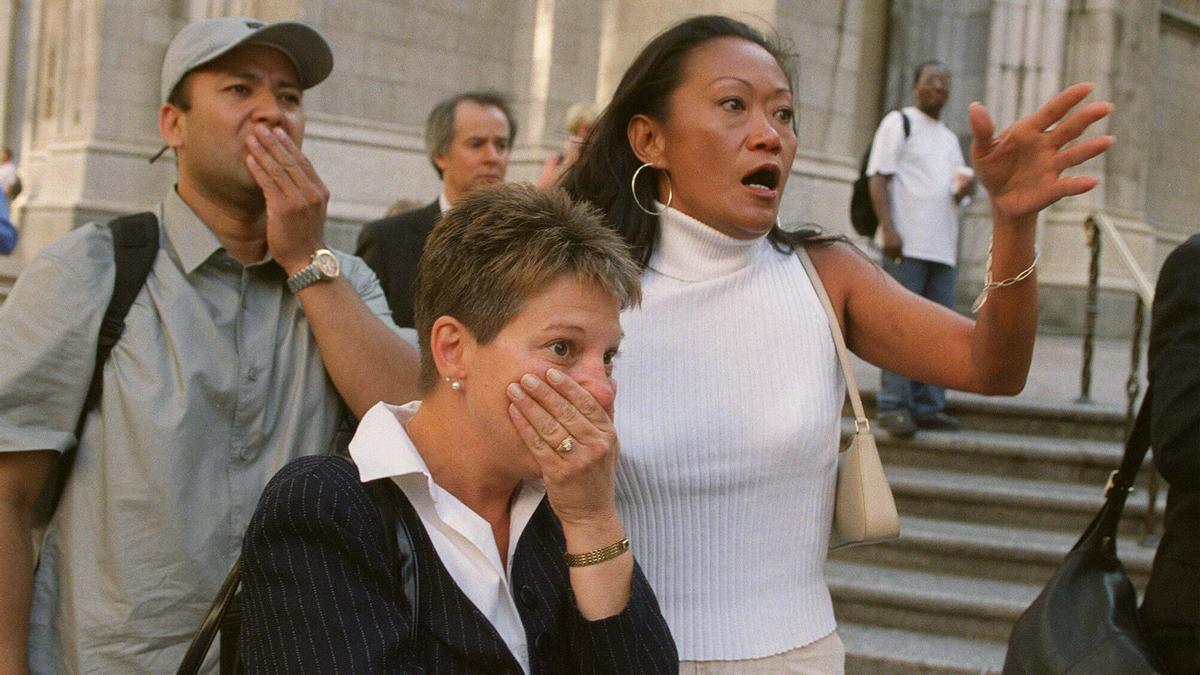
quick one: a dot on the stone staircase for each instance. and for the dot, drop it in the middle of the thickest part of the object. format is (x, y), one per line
(7, 279)
(986, 515)
(10, 268)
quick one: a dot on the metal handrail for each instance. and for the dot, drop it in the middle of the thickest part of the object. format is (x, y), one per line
(1141, 282)
(1098, 224)
(1096, 227)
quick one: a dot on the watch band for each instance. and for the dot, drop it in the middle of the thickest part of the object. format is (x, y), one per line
(324, 266)
(307, 276)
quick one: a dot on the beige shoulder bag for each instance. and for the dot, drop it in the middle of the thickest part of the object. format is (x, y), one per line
(864, 511)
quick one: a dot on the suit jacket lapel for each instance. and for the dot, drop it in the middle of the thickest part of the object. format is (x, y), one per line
(432, 214)
(539, 580)
(449, 615)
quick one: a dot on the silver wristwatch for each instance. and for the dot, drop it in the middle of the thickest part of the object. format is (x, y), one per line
(324, 266)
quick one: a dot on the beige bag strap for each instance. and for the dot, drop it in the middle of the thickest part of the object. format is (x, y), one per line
(860, 417)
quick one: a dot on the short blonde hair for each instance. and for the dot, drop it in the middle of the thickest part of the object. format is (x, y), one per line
(501, 245)
(579, 113)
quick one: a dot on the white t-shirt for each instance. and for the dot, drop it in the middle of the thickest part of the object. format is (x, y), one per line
(462, 538)
(922, 167)
(8, 174)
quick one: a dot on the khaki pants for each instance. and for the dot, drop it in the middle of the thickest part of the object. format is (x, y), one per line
(826, 656)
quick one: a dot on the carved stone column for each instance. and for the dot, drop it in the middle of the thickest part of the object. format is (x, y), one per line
(1113, 44)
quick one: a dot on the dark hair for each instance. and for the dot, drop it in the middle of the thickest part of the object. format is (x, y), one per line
(180, 97)
(921, 68)
(439, 126)
(607, 162)
(501, 245)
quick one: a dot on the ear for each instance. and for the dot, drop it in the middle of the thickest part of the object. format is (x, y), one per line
(171, 125)
(452, 346)
(440, 161)
(647, 140)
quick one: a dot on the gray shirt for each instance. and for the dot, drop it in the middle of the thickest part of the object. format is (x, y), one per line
(216, 383)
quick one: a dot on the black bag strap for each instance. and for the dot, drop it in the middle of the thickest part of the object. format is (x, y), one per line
(1103, 528)
(389, 500)
(225, 614)
(1135, 449)
(203, 639)
(135, 246)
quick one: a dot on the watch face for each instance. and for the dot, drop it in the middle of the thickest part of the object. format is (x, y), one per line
(327, 263)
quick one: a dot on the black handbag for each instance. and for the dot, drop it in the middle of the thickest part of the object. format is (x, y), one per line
(1086, 618)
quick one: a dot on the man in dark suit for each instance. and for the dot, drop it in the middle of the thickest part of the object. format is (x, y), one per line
(467, 138)
(1171, 611)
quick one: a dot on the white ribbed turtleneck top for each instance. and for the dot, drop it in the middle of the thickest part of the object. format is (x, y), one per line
(728, 405)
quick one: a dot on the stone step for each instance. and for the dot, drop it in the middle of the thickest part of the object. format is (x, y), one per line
(1011, 502)
(943, 604)
(1012, 455)
(986, 551)
(1096, 421)
(895, 651)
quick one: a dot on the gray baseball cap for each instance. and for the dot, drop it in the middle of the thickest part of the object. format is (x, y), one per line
(203, 41)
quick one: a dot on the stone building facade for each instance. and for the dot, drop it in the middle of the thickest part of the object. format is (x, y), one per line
(79, 83)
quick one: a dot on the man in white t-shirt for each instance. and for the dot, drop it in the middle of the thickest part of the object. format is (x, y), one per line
(917, 182)
(8, 173)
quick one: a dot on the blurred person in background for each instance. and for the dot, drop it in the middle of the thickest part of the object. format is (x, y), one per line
(578, 121)
(467, 137)
(10, 183)
(918, 180)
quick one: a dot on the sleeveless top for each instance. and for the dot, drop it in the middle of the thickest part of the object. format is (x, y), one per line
(728, 408)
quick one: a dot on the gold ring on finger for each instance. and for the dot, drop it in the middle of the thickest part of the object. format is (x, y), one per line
(567, 445)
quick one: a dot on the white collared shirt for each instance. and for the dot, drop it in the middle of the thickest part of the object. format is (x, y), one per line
(462, 538)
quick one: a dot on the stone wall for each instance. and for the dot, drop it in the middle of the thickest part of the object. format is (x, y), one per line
(81, 80)
(1172, 180)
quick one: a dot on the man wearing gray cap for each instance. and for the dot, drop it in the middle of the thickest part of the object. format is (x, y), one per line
(236, 353)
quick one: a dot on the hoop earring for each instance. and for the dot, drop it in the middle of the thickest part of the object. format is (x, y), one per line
(633, 188)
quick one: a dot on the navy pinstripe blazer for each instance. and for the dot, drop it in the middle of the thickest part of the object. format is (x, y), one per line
(321, 595)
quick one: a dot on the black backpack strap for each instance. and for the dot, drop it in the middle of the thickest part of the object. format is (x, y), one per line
(135, 246)
(907, 122)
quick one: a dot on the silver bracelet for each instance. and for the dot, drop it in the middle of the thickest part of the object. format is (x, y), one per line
(989, 285)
